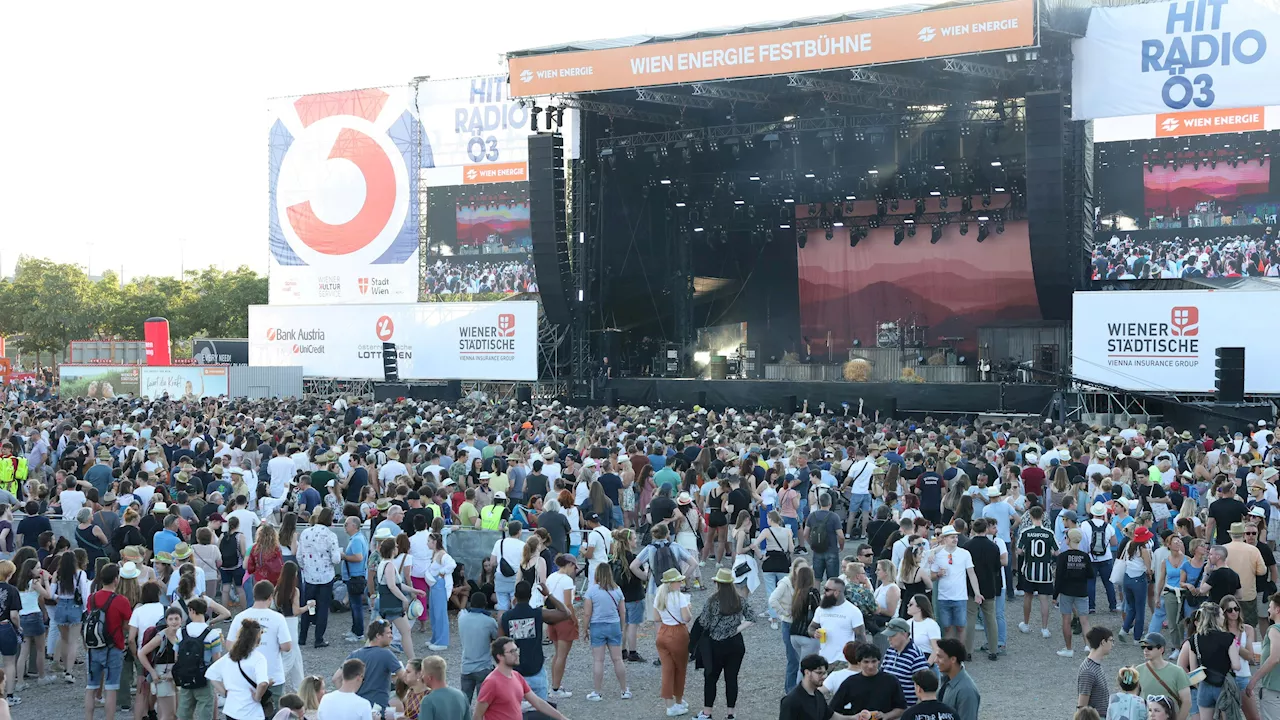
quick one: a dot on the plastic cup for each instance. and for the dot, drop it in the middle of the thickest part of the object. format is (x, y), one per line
(311, 607)
(822, 635)
(1257, 651)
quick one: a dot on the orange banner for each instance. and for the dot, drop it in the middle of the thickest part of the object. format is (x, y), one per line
(914, 36)
(1209, 122)
(495, 173)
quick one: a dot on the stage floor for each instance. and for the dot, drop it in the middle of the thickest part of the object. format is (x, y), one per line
(949, 398)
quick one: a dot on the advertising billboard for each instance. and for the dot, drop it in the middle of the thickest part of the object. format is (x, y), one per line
(1186, 124)
(1164, 341)
(1172, 57)
(220, 351)
(343, 210)
(969, 28)
(98, 381)
(434, 341)
(184, 382)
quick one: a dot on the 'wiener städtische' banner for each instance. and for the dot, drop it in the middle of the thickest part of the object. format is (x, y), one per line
(1164, 340)
(434, 341)
(1170, 57)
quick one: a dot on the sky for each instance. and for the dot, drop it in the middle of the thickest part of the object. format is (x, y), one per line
(136, 133)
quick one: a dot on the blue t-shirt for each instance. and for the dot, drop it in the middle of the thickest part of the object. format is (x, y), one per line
(99, 476)
(357, 545)
(165, 541)
(309, 499)
(604, 604)
(379, 665)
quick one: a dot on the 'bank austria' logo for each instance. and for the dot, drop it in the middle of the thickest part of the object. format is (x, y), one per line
(1185, 321)
(1169, 124)
(339, 178)
(526, 76)
(927, 33)
(271, 335)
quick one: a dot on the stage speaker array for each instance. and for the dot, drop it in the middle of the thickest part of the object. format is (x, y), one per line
(548, 225)
(524, 394)
(390, 363)
(1228, 374)
(1047, 206)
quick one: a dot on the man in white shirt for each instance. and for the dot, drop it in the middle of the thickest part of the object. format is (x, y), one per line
(392, 469)
(951, 567)
(249, 520)
(859, 480)
(275, 633)
(1263, 435)
(596, 539)
(344, 703)
(839, 619)
(71, 499)
(300, 460)
(1097, 466)
(281, 470)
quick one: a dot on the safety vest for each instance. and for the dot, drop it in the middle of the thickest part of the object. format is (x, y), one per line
(435, 510)
(13, 470)
(491, 517)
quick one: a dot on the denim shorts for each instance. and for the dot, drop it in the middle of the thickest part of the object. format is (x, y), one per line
(10, 643)
(860, 503)
(110, 659)
(953, 613)
(608, 633)
(234, 576)
(635, 612)
(1069, 603)
(33, 625)
(67, 612)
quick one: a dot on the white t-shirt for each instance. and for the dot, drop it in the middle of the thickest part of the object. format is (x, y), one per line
(420, 553)
(144, 493)
(145, 616)
(172, 590)
(557, 583)
(952, 585)
(839, 622)
(1086, 538)
(275, 632)
(281, 470)
(240, 703)
(598, 539)
(675, 603)
(340, 705)
(923, 633)
(249, 521)
(509, 549)
(835, 679)
(72, 501)
(861, 473)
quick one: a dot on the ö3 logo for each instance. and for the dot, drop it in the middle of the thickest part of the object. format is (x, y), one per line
(340, 182)
(1203, 43)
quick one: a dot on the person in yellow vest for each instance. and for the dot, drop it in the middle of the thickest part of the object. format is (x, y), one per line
(13, 470)
(492, 516)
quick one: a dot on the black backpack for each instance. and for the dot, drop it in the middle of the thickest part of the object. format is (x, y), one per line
(229, 546)
(819, 532)
(664, 559)
(189, 668)
(1098, 541)
(95, 631)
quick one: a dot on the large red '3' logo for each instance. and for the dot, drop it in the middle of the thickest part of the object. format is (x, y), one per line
(368, 156)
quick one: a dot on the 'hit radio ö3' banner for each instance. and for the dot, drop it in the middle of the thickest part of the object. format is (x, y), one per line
(476, 133)
(1165, 340)
(434, 341)
(1170, 57)
(343, 203)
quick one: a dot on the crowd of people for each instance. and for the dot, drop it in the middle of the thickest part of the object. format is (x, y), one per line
(1187, 255)
(507, 277)
(200, 544)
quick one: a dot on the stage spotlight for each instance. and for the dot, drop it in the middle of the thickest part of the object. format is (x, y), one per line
(631, 152)
(999, 227)
(813, 209)
(986, 199)
(830, 233)
(533, 116)
(964, 228)
(935, 234)
(961, 360)
(801, 238)
(911, 230)
(942, 203)
(966, 204)
(893, 205)
(899, 234)
(982, 232)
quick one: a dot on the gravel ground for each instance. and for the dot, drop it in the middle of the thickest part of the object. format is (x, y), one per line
(1029, 681)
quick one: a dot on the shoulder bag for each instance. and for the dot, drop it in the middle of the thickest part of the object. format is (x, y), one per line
(778, 561)
(265, 700)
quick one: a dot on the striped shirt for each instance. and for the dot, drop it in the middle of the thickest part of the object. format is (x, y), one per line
(1038, 547)
(901, 665)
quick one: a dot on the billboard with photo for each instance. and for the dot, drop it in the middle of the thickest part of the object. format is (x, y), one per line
(1164, 340)
(184, 382)
(220, 351)
(98, 381)
(1177, 56)
(343, 209)
(434, 341)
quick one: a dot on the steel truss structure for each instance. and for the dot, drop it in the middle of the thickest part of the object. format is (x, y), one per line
(977, 69)
(724, 91)
(320, 388)
(615, 110)
(661, 98)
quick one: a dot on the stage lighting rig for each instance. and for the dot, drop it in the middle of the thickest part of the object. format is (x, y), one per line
(935, 234)
(1000, 226)
(533, 115)
(911, 228)
(982, 231)
(830, 233)
(899, 234)
(964, 228)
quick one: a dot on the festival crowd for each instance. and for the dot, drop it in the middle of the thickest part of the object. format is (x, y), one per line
(1187, 256)
(176, 556)
(446, 277)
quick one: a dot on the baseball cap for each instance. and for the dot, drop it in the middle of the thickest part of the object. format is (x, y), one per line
(1070, 515)
(897, 625)
(1154, 639)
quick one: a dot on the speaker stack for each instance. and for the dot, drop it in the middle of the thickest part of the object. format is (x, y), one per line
(548, 226)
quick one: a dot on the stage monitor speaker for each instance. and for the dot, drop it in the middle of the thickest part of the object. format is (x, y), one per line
(611, 397)
(1229, 373)
(524, 394)
(548, 226)
(890, 408)
(789, 404)
(390, 363)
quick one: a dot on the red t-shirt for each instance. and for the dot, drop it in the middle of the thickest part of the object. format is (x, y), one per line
(1033, 480)
(117, 614)
(504, 695)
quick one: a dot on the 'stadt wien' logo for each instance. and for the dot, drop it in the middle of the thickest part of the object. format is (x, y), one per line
(526, 76)
(363, 284)
(1185, 321)
(927, 33)
(1169, 124)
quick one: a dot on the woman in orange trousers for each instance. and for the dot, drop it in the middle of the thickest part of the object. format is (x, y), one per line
(673, 639)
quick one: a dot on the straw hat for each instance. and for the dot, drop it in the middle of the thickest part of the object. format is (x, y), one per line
(164, 558)
(724, 576)
(181, 551)
(673, 575)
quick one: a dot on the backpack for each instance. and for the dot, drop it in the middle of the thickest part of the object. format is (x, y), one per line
(1098, 539)
(94, 630)
(190, 666)
(229, 546)
(819, 532)
(664, 559)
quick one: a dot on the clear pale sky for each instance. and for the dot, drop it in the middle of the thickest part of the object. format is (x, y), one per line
(135, 133)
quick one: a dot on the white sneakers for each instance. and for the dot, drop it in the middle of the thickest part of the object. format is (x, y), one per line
(1066, 653)
(561, 693)
(1024, 628)
(678, 709)
(1044, 632)
(437, 648)
(594, 696)
(626, 694)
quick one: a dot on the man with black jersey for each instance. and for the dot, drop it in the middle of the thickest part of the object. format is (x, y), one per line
(524, 623)
(1037, 550)
(929, 486)
(929, 707)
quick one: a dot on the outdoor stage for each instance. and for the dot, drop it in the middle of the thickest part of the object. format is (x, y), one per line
(893, 398)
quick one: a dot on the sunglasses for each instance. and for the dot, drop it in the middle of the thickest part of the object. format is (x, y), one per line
(1233, 608)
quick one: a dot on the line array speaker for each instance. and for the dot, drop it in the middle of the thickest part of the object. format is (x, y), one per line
(1228, 373)
(548, 225)
(390, 363)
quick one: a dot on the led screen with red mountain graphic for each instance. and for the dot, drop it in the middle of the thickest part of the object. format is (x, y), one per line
(954, 287)
(1181, 189)
(496, 220)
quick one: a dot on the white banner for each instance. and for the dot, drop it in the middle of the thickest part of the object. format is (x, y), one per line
(343, 210)
(471, 123)
(1164, 341)
(1178, 56)
(434, 341)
